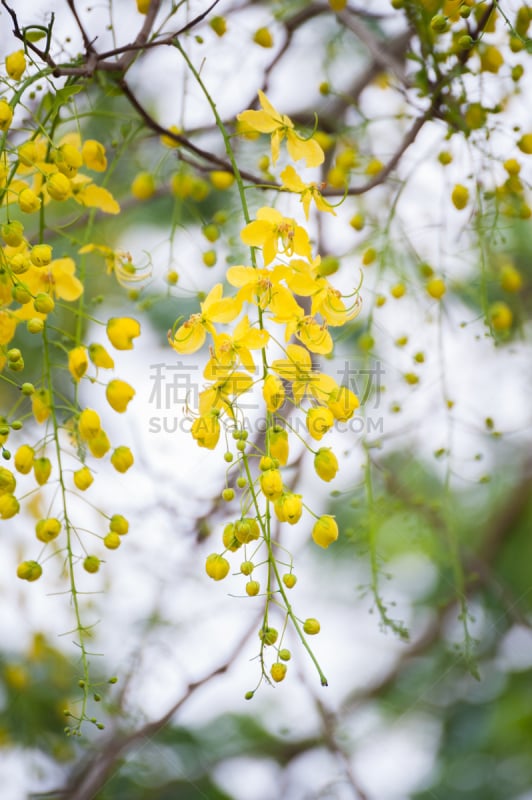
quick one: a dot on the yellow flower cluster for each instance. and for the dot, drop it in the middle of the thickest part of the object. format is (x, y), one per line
(286, 302)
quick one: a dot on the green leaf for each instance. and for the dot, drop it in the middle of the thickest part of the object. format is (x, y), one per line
(35, 34)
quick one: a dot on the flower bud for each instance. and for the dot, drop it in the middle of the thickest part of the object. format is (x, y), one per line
(325, 464)
(325, 531)
(216, 567)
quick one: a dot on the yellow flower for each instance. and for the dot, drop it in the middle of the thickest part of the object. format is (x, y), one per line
(230, 350)
(273, 393)
(221, 179)
(78, 362)
(311, 333)
(93, 154)
(6, 115)
(298, 369)
(122, 459)
(16, 64)
(343, 403)
(325, 531)
(68, 160)
(280, 126)
(258, 285)
(221, 394)
(274, 233)
(206, 430)
(169, 141)
(308, 191)
(319, 420)
(89, 424)
(121, 331)
(100, 357)
(190, 336)
(118, 394)
(328, 302)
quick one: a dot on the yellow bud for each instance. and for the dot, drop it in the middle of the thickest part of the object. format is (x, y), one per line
(42, 468)
(337, 5)
(252, 588)
(100, 357)
(219, 25)
(263, 37)
(216, 567)
(460, 196)
(278, 671)
(121, 331)
(143, 186)
(28, 200)
(99, 445)
(229, 539)
(271, 483)
(436, 288)
(13, 233)
(398, 290)
(83, 478)
(122, 459)
(47, 530)
(58, 186)
(311, 626)
(78, 362)
(40, 402)
(525, 144)
(119, 524)
(279, 445)
(221, 179)
(143, 6)
(325, 464)
(16, 64)
(206, 431)
(289, 507)
(91, 564)
(112, 541)
(273, 393)
(246, 530)
(511, 278)
(501, 317)
(118, 394)
(168, 141)
(43, 303)
(9, 506)
(325, 531)
(93, 154)
(24, 459)
(89, 424)
(6, 115)
(29, 571)
(319, 420)
(68, 160)
(343, 403)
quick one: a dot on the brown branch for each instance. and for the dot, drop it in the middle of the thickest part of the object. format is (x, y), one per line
(98, 769)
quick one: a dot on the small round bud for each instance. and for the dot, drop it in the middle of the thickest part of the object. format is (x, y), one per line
(311, 626)
(278, 671)
(228, 495)
(247, 567)
(285, 655)
(268, 635)
(91, 564)
(252, 588)
(289, 580)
